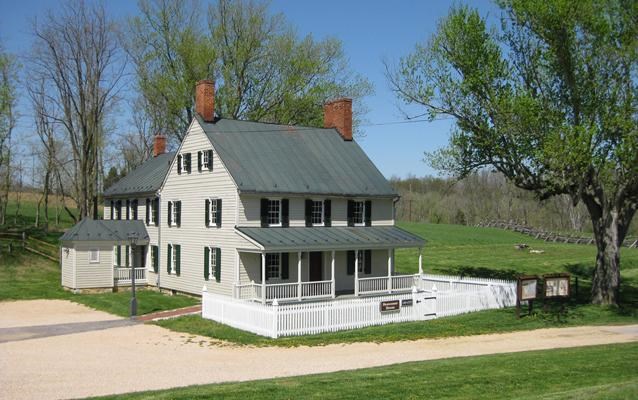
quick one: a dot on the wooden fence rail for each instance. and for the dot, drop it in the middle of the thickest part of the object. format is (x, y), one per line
(30, 244)
(550, 236)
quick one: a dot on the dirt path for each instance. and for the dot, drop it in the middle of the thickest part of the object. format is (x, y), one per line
(101, 362)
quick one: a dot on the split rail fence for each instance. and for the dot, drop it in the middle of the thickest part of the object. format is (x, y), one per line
(550, 236)
(433, 296)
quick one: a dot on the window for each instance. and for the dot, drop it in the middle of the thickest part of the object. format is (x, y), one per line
(316, 216)
(273, 265)
(274, 212)
(173, 259)
(174, 213)
(358, 212)
(94, 256)
(212, 263)
(134, 209)
(205, 159)
(151, 212)
(155, 258)
(213, 212)
(360, 261)
(118, 209)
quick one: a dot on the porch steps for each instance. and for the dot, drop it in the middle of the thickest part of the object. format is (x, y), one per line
(178, 312)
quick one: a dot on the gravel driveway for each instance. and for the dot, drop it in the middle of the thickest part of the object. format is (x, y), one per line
(142, 357)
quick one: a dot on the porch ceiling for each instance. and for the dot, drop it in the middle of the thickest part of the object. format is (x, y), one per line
(332, 238)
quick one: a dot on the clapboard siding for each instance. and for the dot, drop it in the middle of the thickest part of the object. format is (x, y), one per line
(250, 211)
(97, 275)
(67, 255)
(192, 190)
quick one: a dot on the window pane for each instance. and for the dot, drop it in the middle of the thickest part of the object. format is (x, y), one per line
(317, 212)
(212, 216)
(272, 265)
(274, 208)
(358, 213)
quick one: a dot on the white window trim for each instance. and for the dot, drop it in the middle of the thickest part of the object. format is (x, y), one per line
(212, 260)
(151, 215)
(280, 223)
(363, 213)
(273, 278)
(173, 260)
(173, 212)
(205, 160)
(94, 261)
(323, 212)
(210, 223)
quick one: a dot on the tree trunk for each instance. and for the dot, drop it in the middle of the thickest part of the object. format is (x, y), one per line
(605, 288)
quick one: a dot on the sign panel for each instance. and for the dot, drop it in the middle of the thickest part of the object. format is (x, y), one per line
(389, 306)
(557, 285)
(528, 289)
(406, 302)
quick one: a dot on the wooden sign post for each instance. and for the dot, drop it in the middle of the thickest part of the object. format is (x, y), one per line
(526, 290)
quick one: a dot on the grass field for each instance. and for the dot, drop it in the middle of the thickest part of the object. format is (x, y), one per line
(597, 372)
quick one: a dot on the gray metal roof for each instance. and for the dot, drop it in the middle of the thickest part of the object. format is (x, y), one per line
(270, 158)
(147, 178)
(105, 230)
(332, 238)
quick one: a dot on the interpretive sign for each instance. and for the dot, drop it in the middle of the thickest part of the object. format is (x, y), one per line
(389, 306)
(557, 285)
(526, 290)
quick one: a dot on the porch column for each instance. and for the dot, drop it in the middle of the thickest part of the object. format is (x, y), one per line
(237, 275)
(332, 274)
(356, 272)
(389, 270)
(263, 278)
(299, 276)
(420, 261)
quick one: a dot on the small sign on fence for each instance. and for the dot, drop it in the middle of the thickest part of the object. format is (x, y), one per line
(389, 306)
(406, 302)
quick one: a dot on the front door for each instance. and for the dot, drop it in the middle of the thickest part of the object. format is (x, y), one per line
(316, 261)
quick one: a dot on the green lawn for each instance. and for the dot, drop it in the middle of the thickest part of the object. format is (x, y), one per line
(24, 276)
(597, 372)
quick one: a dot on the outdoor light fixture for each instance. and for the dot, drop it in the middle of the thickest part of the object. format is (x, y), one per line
(132, 237)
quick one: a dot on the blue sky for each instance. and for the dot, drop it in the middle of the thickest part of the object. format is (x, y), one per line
(370, 30)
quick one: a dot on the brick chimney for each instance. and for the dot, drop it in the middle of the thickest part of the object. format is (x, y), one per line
(338, 114)
(159, 145)
(205, 100)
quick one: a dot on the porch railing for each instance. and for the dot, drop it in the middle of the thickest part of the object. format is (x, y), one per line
(284, 291)
(122, 275)
(385, 284)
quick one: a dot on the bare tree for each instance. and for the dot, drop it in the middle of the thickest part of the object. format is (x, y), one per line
(8, 79)
(77, 55)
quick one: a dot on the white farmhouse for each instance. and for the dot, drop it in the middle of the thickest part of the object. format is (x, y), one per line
(251, 211)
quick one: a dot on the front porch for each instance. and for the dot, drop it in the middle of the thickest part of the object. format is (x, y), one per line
(305, 264)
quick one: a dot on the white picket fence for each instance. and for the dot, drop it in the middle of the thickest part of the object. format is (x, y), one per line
(434, 296)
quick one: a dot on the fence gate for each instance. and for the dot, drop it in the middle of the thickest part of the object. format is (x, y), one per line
(425, 307)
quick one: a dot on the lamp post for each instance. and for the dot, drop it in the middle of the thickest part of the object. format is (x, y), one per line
(132, 237)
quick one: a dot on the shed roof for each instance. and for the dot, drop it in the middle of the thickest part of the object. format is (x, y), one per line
(332, 238)
(271, 158)
(105, 230)
(147, 178)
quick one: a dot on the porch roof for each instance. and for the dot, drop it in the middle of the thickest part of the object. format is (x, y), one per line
(105, 230)
(331, 238)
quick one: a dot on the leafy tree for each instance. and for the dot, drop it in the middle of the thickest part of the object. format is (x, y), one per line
(8, 118)
(549, 99)
(263, 70)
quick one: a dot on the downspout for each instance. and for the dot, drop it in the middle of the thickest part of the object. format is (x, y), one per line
(159, 241)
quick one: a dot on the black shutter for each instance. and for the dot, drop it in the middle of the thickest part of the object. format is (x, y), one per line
(178, 256)
(187, 162)
(264, 213)
(155, 254)
(285, 214)
(156, 211)
(168, 258)
(218, 264)
(368, 217)
(210, 160)
(350, 213)
(199, 161)
(118, 205)
(308, 212)
(206, 262)
(351, 256)
(367, 260)
(118, 252)
(148, 211)
(112, 205)
(284, 265)
(128, 209)
(179, 163)
(170, 213)
(134, 209)
(219, 213)
(126, 256)
(327, 212)
(206, 212)
(178, 217)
